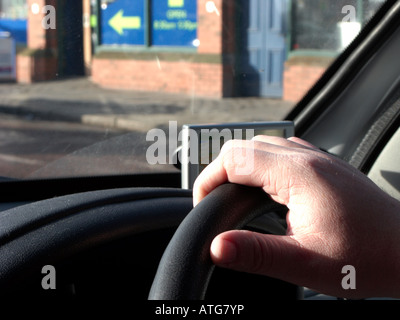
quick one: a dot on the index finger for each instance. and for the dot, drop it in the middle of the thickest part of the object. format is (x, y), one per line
(239, 161)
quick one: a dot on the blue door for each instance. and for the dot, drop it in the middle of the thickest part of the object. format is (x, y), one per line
(262, 47)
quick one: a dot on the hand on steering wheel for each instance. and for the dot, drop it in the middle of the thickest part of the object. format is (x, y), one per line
(337, 217)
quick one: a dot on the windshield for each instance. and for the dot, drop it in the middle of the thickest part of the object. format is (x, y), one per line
(83, 84)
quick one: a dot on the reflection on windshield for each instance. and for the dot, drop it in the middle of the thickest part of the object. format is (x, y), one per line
(82, 82)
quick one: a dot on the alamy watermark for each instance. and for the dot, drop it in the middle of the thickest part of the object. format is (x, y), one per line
(350, 14)
(49, 20)
(49, 280)
(203, 146)
(349, 280)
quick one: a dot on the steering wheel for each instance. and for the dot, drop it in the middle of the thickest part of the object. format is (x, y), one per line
(56, 230)
(186, 267)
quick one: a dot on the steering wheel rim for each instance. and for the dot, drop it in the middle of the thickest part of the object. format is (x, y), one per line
(186, 267)
(56, 229)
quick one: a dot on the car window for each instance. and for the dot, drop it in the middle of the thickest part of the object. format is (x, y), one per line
(83, 84)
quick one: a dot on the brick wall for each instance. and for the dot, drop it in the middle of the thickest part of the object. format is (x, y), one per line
(36, 67)
(208, 72)
(300, 74)
(186, 77)
(23, 69)
(39, 61)
(209, 28)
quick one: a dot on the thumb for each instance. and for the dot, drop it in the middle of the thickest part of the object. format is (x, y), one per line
(264, 254)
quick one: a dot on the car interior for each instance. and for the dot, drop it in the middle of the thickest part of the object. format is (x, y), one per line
(137, 236)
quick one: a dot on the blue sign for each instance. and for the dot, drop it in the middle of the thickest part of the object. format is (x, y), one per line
(17, 29)
(174, 23)
(123, 22)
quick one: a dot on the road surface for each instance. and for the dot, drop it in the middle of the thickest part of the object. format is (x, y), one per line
(44, 149)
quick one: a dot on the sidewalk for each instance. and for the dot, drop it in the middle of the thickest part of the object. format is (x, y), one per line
(79, 100)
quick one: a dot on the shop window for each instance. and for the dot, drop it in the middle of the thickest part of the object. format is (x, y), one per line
(13, 9)
(148, 23)
(328, 25)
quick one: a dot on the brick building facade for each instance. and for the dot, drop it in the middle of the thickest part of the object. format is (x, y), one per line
(300, 73)
(204, 72)
(213, 66)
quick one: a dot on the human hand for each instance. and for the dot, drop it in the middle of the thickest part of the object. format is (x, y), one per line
(336, 217)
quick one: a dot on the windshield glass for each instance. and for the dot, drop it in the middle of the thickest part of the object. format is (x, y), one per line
(83, 84)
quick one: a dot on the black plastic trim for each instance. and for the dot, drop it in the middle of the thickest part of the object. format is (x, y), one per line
(40, 189)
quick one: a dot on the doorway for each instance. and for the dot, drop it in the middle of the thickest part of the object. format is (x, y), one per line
(262, 47)
(70, 37)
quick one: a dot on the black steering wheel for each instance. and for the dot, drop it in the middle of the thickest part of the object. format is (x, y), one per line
(56, 230)
(186, 267)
